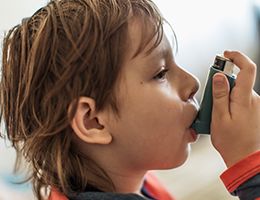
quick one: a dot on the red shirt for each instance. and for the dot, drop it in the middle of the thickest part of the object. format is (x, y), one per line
(241, 171)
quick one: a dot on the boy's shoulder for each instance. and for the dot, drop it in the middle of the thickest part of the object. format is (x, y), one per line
(106, 196)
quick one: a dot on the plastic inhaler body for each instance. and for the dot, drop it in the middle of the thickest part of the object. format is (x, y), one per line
(202, 122)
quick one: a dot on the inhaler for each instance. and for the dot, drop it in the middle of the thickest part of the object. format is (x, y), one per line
(223, 65)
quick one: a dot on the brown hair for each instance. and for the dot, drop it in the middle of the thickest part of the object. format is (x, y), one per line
(67, 49)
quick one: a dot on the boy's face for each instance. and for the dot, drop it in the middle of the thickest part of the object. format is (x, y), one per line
(156, 108)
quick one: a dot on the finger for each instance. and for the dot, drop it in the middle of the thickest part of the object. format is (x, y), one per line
(220, 95)
(246, 77)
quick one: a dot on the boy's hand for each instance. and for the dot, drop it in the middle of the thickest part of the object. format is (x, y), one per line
(235, 126)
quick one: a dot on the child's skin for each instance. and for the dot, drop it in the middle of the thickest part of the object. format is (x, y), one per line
(235, 120)
(156, 110)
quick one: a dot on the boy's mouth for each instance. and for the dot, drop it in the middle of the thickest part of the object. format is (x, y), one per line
(194, 135)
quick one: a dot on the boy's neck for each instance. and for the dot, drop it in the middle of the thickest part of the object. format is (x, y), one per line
(125, 177)
(127, 182)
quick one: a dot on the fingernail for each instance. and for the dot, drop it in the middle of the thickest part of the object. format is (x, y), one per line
(218, 80)
(227, 51)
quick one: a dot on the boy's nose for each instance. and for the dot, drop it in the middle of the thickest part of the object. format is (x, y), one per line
(189, 85)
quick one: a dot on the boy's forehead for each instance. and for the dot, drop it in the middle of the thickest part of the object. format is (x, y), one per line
(134, 36)
(138, 31)
(135, 33)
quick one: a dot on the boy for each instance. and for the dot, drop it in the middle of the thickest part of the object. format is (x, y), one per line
(92, 97)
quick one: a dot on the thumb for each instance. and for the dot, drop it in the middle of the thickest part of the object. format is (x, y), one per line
(220, 95)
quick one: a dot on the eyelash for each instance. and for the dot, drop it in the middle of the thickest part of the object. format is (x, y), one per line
(161, 75)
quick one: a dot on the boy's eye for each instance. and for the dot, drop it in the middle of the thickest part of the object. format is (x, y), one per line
(161, 75)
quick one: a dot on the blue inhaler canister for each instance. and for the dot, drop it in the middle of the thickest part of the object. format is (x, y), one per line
(202, 122)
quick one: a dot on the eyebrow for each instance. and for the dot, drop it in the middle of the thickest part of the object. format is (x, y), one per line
(162, 53)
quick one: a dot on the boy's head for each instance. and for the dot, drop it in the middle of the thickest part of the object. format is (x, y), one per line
(60, 69)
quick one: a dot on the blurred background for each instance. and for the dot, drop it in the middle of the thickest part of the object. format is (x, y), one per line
(203, 28)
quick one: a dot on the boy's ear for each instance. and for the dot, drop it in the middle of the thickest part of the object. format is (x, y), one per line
(86, 123)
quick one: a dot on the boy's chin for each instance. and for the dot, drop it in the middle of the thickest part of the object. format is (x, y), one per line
(177, 162)
(182, 159)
